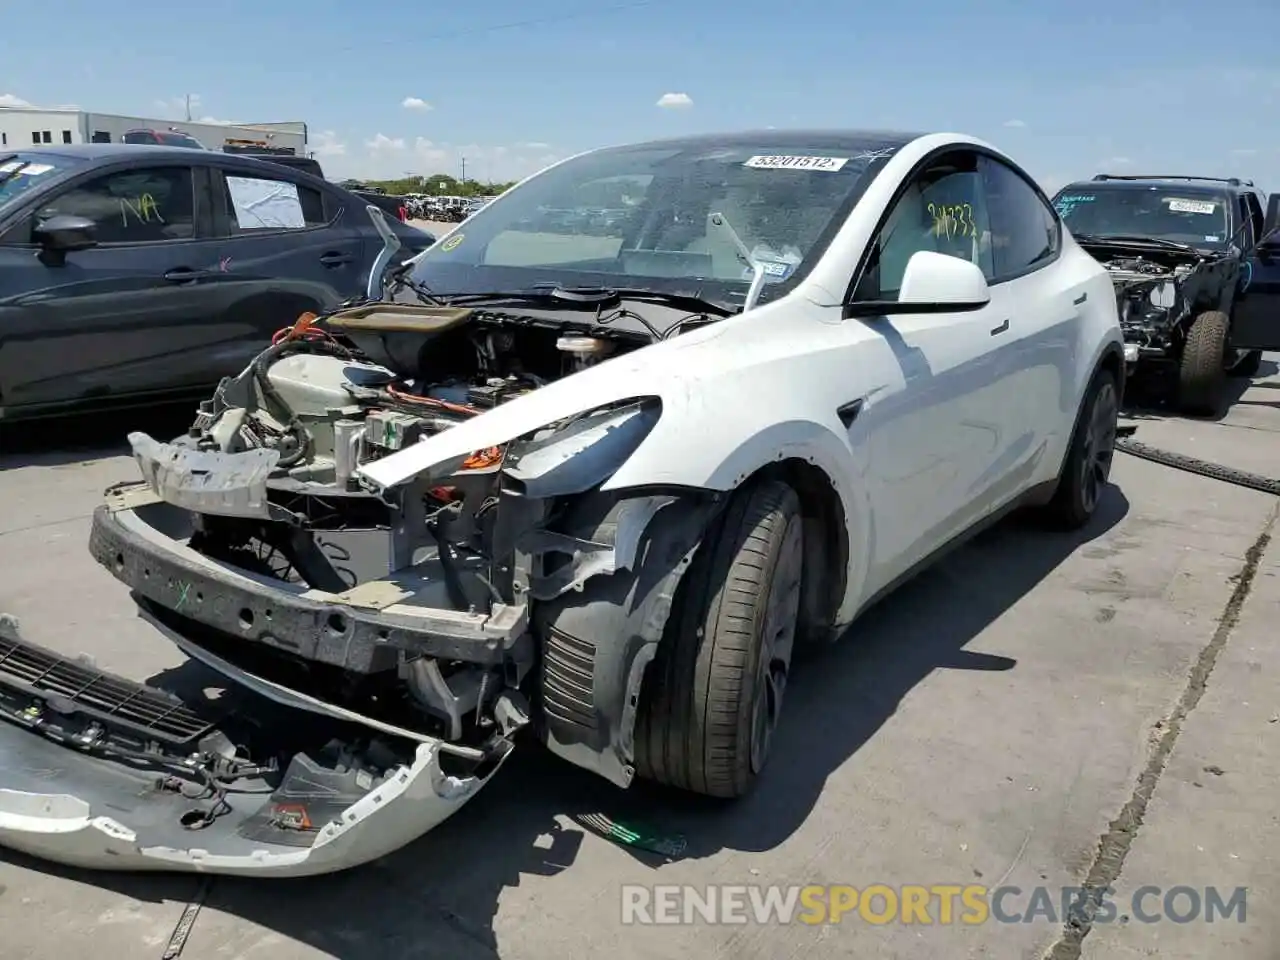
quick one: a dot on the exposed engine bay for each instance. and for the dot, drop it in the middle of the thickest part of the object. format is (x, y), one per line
(1160, 292)
(407, 632)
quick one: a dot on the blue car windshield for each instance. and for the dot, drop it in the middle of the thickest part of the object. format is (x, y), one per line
(686, 217)
(19, 172)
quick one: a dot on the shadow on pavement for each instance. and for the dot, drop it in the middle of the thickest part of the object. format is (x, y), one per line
(440, 895)
(53, 442)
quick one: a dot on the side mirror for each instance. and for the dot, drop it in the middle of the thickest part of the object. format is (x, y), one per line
(932, 283)
(65, 234)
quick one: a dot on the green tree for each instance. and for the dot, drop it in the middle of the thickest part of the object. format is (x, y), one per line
(441, 184)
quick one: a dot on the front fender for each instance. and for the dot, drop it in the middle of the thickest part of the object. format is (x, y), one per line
(719, 460)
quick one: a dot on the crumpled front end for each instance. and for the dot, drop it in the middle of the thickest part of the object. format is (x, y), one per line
(413, 549)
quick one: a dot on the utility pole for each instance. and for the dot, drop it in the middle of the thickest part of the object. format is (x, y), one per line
(464, 170)
(188, 108)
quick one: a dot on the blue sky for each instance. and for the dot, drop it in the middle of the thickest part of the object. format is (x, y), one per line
(1068, 89)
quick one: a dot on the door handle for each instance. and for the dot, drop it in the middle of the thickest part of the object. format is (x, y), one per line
(996, 331)
(1080, 299)
(336, 259)
(186, 275)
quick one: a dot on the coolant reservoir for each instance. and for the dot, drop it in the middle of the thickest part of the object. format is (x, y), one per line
(585, 349)
(312, 384)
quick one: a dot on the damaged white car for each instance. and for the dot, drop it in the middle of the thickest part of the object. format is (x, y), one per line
(578, 480)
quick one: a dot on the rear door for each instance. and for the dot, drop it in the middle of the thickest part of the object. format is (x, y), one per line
(287, 247)
(124, 318)
(1256, 323)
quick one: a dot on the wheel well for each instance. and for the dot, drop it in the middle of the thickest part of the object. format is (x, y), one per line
(826, 539)
(1113, 362)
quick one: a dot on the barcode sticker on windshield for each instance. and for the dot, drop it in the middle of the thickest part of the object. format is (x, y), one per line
(1192, 206)
(828, 164)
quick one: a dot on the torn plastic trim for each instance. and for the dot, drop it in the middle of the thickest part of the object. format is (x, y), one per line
(600, 640)
(226, 484)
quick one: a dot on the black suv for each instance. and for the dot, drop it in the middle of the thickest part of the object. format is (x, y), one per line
(1194, 262)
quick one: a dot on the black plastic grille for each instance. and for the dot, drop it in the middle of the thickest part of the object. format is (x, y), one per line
(115, 700)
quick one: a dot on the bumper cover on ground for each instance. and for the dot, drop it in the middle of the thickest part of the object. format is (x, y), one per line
(60, 803)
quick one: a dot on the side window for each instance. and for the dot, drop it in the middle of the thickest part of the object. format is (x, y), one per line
(132, 206)
(943, 210)
(1025, 232)
(1257, 219)
(256, 203)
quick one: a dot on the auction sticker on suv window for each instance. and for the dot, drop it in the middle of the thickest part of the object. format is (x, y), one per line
(829, 164)
(1191, 206)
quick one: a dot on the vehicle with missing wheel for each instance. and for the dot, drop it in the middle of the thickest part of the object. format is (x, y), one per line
(1183, 253)
(582, 485)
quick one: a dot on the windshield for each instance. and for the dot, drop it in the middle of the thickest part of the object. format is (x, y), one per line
(1195, 217)
(19, 172)
(641, 217)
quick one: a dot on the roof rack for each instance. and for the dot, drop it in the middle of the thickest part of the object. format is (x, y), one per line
(1233, 181)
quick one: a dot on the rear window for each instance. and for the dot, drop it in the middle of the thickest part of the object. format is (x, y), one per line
(19, 172)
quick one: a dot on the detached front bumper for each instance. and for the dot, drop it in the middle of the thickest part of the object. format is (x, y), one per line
(139, 538)
(70, 794)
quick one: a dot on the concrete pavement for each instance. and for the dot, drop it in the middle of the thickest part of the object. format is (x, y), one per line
(1033, 701)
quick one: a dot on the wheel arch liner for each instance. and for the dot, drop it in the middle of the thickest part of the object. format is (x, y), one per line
(599, 640)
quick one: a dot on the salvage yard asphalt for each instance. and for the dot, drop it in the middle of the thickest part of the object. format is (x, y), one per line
(1035, 699)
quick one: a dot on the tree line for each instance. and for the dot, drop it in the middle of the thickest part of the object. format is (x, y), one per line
(441, 185)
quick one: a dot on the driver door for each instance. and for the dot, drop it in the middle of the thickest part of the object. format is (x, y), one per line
(937, 412)
(1256, 324)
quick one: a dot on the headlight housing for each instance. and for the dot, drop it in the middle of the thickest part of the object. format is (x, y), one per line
(585, 451)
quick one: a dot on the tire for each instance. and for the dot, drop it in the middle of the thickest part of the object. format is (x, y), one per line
(1202, 369)
(1087, 466)
(1249, 364)
(713, 694)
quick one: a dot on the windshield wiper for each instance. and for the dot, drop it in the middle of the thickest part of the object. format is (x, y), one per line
(1133, 238)
(591, 298)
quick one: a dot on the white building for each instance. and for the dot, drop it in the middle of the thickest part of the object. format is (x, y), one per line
(44, 126)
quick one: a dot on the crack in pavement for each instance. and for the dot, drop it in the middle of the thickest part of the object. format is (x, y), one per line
(1114, 845)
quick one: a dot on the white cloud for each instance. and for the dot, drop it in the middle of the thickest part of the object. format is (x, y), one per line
(10, 100)
(326, 143)
(387, 158)
(1018, 124)
(213, 120)
(1244, 152)
(381, 143)
(675, 101)
(1116, 162)
(415, 103)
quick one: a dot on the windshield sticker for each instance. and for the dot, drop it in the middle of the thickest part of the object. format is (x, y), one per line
(30, 170)
(452, 242)
(828, 164)
(953, 220)
(1191, 206)
(775, 271)
(1065, 205)
(1211, 238)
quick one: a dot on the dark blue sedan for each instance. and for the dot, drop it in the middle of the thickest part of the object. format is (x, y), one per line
(132, 273)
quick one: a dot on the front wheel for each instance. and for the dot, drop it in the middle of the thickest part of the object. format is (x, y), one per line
(1087, 467)
(714, 693)
(1202, 370)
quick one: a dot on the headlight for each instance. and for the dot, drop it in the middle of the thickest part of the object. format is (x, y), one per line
(583, 453)
(1130, 352)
